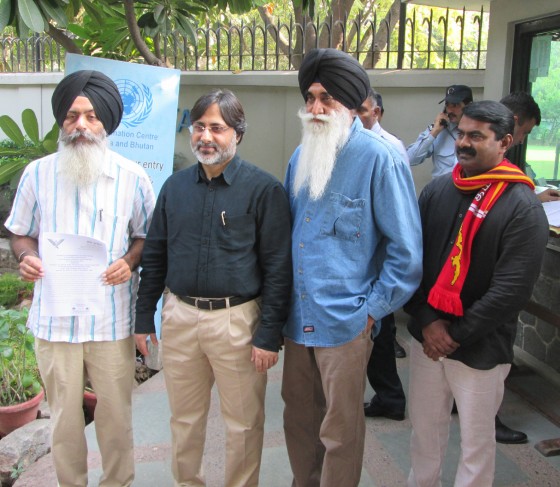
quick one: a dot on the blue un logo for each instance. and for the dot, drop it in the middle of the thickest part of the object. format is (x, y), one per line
(137, 102)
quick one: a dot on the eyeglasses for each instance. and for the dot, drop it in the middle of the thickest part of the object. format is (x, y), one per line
(199, 128)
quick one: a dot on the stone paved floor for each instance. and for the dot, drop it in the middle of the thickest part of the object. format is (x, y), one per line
(386, 458)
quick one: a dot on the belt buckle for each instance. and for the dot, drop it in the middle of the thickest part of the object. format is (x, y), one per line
(204, 300)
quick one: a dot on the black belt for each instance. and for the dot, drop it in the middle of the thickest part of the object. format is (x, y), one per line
(212, 304)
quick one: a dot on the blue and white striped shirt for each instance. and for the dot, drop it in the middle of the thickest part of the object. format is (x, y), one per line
(116, 209)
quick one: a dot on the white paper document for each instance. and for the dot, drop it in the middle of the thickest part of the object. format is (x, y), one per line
(552, 210)
(72, 285)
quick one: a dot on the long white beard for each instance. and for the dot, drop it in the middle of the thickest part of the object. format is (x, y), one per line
(81, 162)
(320, 144)
(219, 157)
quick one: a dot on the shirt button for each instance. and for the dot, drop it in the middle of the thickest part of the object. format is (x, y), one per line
(300, 271)
(460, 215)
(210, 189)
(301, 245)
(308, 219)
(303, 296)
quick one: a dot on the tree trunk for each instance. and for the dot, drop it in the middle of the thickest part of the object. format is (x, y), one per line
(61, 38)
(136, 35)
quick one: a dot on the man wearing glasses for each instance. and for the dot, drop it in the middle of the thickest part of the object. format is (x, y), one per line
(220, 243)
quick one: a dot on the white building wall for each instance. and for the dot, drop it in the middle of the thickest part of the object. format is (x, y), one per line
(271, 101)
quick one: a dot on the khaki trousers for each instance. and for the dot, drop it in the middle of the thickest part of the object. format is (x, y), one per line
(324, 423)
(478, 395)
(198, 348)
(110, 368)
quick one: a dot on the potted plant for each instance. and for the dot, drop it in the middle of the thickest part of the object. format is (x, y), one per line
(20, 387)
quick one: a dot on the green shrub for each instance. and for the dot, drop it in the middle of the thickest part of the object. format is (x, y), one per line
(19, 374)
(13, 290)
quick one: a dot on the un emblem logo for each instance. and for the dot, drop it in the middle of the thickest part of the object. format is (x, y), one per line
(137, 102)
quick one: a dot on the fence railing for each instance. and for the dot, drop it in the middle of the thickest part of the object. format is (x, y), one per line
(417, 38)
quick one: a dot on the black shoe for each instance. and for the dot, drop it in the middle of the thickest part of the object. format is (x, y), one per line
(507, 435)
(374, 410)
(399, 350)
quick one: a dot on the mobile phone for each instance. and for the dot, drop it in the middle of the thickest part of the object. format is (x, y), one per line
(442, 122)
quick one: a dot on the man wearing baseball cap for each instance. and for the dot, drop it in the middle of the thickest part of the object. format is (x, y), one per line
(438, 140)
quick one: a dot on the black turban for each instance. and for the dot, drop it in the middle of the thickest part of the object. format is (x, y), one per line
(342, 76)
(99, 89)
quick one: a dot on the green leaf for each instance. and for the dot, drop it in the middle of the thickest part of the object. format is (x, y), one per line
(31, 15)
(36, 388)
(11, 129)
(27, 380)
(5, 11)
(92, 12)
(147, 20)
(186, 28)
(9, 169)
(50, 142)
(55, 13)
(8, 352)
(29, 121)
(160, 15)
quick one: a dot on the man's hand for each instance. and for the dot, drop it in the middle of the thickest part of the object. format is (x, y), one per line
(263, 359)
(437, 341)
(438, 126)
(31, 268)
(141, 342)
(549, 195)
(117, 273)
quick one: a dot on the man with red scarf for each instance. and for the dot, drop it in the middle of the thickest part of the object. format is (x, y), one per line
(484, 235)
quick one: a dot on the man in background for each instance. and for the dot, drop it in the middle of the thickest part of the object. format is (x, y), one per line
(438, 140)
(389, 400)
(527, 115)
(86, 190)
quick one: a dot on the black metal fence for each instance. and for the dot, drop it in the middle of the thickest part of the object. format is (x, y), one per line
(417, 38)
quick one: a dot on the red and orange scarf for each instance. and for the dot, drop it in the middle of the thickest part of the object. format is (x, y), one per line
(446, 293)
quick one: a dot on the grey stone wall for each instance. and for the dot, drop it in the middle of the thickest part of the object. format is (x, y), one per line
(536, 336)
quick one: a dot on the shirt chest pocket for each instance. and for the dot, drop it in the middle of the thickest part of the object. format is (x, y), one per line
(343, 217)
(237, 232)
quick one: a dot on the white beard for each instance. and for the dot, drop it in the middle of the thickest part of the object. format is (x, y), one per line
(80, 162)
(219, 157)
(320, 145)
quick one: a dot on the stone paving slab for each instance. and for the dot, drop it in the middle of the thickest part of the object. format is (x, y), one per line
(386, 458)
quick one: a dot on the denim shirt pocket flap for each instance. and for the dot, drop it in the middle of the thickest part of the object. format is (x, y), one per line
(343, 217)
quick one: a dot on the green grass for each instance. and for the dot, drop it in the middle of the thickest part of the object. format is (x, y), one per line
(541, 160)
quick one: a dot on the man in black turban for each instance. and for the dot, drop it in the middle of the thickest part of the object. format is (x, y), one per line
(353, 201)
(99, 89)
(343, 77)
(96, 195)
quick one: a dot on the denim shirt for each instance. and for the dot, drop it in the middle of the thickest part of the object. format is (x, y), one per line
(441, 149)
(357, 251)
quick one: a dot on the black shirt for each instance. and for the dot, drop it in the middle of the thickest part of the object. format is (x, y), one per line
(228, 236)
(505, 263)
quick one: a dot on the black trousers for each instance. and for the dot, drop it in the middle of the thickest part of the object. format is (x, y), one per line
(382, 368)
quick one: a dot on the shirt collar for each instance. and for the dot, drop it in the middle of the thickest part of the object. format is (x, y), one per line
(228, 175)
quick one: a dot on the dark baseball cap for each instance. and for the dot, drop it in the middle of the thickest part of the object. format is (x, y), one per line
(457, 94)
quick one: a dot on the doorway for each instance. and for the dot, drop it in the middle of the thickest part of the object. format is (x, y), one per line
(536, 70)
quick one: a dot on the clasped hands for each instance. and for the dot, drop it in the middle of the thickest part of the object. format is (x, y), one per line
(437, 342)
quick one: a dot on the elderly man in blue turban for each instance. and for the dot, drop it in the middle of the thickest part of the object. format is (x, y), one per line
(89, 191)
(356, 252)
